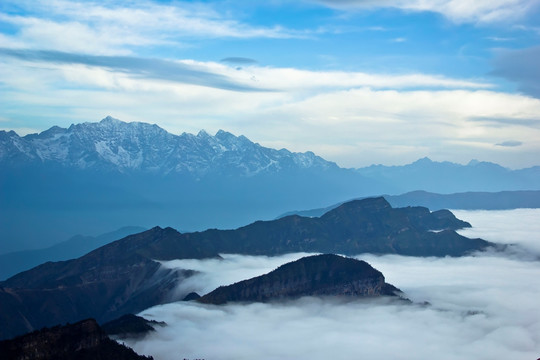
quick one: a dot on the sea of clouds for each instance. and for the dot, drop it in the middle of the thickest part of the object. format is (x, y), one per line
(483, 306)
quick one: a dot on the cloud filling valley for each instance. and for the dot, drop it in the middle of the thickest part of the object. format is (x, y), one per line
(480, 307)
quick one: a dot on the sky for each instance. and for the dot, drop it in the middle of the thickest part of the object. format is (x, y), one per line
(481, 307)
(358, 82)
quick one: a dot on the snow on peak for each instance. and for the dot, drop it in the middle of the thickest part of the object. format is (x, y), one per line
(115, 145)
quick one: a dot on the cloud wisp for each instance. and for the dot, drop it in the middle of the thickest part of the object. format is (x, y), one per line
(238, 60)
(482, 307)
(460, 11)
(510, 143)
(118, 28)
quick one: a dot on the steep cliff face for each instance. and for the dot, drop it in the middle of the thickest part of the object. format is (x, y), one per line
(320, 275)
(83, 340)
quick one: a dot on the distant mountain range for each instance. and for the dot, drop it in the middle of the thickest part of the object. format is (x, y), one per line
(119, 147)
(318, 275)
(446, 177)
(124, 277)
(92, 178)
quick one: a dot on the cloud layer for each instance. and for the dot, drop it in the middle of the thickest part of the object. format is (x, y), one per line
(482, 307)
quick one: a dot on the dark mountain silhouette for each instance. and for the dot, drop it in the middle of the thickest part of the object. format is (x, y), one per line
(124, 277)
(319, 275)
(84, 340)
(15, 262)
(93, 177)
(117, 279)
(130, 326)
(361, 226)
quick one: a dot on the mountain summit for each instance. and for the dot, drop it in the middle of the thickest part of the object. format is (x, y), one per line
(318, 275)
(114, 145)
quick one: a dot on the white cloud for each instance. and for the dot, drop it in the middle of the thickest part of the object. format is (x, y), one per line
(297, 79)
(118, 29)
(478, 11)
(482, 307)
(497, 228)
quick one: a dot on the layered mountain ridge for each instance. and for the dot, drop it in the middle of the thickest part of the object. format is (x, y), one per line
(126, 277)
(92, 178)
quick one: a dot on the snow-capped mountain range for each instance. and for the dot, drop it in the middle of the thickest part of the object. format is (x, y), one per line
(114, 145)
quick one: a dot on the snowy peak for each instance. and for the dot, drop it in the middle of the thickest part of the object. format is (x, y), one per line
(114, 145)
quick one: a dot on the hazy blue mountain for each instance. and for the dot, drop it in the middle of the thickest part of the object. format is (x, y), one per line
(503, 200)
(93, 177)
(125, 277)
(318, 275)
(15, 262)
(446, 177)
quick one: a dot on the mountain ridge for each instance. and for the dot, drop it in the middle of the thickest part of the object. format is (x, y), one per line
(502, 200)
(114, 145)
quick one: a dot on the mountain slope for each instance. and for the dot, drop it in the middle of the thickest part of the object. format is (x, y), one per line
(84, 340)
(319, 275)
(15, 262)
(114, 280)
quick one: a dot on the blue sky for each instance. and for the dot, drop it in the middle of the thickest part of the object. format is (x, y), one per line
(356, 81)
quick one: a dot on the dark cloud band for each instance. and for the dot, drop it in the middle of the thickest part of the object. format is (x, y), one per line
(510, 143)
(148, 68)
(520, 66)
(239, 60)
